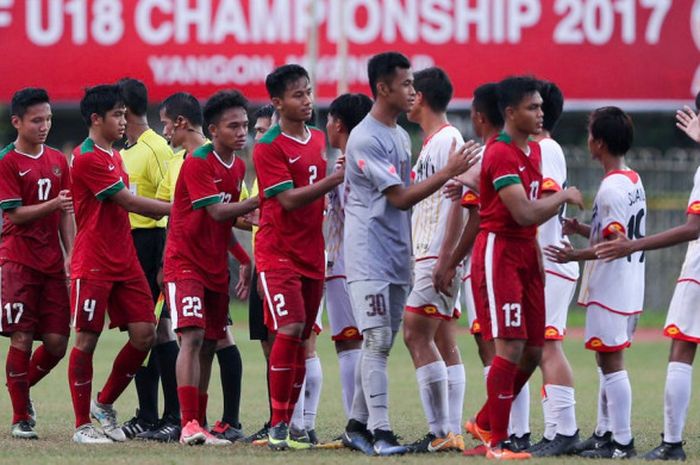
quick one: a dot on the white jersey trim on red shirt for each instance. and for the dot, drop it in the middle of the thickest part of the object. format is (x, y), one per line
(28, 155)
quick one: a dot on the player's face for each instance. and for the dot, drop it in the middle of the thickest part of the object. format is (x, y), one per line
(413, 114)
(297, 102)
(168, 127)
(400, 93)
(594, 146)
(477, 119)
(232, 129)
(262, 124)
(333, 129)
(35, 125)
(527, 116)
(113, 125)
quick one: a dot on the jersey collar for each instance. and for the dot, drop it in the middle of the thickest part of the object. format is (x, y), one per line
(28, 155)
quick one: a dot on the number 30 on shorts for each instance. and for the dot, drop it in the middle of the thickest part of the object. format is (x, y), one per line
(511, 313)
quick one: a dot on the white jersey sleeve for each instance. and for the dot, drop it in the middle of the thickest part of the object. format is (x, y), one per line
(550, 233)
(691, 266)
(620, 206)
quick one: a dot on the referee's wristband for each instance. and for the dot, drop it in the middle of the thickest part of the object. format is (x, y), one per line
(239, 254)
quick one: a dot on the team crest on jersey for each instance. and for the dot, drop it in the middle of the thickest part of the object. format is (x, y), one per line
(470, 198)
(612, 228)
(56, 170)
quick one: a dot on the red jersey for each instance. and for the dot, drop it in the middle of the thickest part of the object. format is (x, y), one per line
(31, 180)
(103, 247)
(505, 164)
(197, 244)
(290, 239)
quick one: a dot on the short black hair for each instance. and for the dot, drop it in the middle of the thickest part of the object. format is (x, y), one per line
(383, 66)
(435, 86)
(350, 109)
(265, 111)
(135, 95)
(100, 99)
(486, 102)
(512, 90)
(614, 127)
(25, 98)
(185, 105)
(220, 102)
(552, 104)
(277, 81)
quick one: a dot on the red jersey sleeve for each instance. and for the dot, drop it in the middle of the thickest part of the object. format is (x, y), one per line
(198, 176)
(272, 170)
(502, 166)
(99, 174)
(10, 190)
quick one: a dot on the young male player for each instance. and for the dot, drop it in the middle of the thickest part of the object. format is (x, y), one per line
(196, 262)
(105, 280)
(377, 240)
(558, 402)
(146, 159)
(682, 320)
(37, 219)
(291, 168)
(430, 321)
(507, 279)
(612, 292)
(344, 113)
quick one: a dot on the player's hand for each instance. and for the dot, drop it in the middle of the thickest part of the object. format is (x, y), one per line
(569, 226)
(443, 276)
(66, 267)
(243, 284)
(252, 218)
(340, 161)
(452, 190)
(338, 176)
(574, 197)
(64, 201)
(462, 158)
(687, 121)
(563, 254)
(620, 246)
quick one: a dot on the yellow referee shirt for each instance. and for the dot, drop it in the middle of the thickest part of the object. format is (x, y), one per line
(147, 163)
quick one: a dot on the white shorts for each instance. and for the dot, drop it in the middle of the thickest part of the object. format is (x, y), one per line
(378, 303)
(683, 319)
(340, 316)
(425, 300)
(558, 292)
(608, 331)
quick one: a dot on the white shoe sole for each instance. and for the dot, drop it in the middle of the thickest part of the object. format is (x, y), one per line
(194, 440)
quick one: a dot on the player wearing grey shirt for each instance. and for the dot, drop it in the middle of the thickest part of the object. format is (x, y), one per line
(378, 241)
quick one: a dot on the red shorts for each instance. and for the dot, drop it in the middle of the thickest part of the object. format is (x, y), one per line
(290, 298)
(508, 288)
(125, 301)
(194, 306)
(32, 302)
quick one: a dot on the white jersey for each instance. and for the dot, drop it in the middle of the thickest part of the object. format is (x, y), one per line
(429, 218)
(335, 222)
(691, 265)
(620, 205)
(550, 233)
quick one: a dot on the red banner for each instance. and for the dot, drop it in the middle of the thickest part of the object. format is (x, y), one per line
(642, 53)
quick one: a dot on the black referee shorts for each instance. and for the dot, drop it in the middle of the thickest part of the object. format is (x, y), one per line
(256, 318)
(150, 244)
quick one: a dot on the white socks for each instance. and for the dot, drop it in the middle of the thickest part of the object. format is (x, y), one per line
(347, 360)
(297, 420)
(375, 384)
(312, 391)
(432, 386)
(519, 424)
(559, 410)
(679, 378)
(603, 422)
(619, 394)
(456, 386)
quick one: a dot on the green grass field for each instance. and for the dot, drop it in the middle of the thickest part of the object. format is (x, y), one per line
(646, 362)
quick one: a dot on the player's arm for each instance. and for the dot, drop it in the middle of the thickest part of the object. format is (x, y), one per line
(528, 212)
(140, 205)
(622, 246)
(228, 211)
(296, 197)
(66, 231)
(26, 214)
(244, 269)
(459, 161)
(442, 278)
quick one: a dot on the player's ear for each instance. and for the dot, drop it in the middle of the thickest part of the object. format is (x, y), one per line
(277, 103)
(180, 122)
(509, 112)
(382, 88)
(212, 129)
(94, 119)
(16, 121)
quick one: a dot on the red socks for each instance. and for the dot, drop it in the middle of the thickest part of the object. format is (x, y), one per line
(283, 364)
(42, 363)
(299, 375)
(189, 403)
(499, 386)
(17, 371)
(80, 381)
(124, 369)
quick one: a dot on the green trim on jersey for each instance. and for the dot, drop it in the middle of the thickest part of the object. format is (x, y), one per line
(88, 145)
(271, 135)
(9, 148)
(507, 180)
(110, 190)
(203, 151)
(9, 204)
(503, 137)
(206, 201)
(277, 188)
